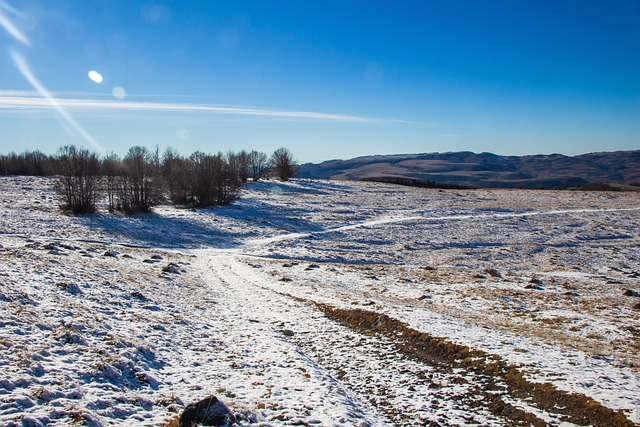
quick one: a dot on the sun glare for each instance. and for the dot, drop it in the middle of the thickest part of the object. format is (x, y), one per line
(9, 25)
(95, 76)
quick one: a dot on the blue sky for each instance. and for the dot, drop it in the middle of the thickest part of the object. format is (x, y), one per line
(327, 79)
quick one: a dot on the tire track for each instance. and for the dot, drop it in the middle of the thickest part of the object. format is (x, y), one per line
(495, 374)
(406, 376)
(386, 221)
(370, 370)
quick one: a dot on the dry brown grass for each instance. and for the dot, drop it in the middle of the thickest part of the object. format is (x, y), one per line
(573, 407)
(173, 422)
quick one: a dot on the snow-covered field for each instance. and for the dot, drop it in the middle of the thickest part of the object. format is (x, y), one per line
(115, 320)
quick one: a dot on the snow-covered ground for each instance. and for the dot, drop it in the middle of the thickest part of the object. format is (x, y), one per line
(123, 320)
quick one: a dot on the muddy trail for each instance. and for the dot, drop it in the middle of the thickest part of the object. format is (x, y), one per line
(398, 375)
(500, 385)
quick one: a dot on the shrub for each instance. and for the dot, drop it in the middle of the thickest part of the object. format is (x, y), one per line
(214, 181)
(78, 179)
(139, 187)
(258, 164)
(284, 164)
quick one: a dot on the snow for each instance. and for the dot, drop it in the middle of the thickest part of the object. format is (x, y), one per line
(110, 319)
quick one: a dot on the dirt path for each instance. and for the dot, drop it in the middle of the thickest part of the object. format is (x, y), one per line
(366, 369)
(384, 372)
(395, 220)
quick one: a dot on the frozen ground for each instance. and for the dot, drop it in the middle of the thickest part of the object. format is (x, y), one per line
(277, 306)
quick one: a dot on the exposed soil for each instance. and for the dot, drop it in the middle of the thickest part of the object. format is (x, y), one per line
(502, 379)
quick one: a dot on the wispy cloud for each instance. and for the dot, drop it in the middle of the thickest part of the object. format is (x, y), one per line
(13, 101)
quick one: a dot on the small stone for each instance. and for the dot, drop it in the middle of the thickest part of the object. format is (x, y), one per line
(492, 272)
(631, 293)
(171, 268)
(110, 253)
(137, 294)
(207, 412)
(72, 288)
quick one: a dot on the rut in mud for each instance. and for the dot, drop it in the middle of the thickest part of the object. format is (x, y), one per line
(500, 379)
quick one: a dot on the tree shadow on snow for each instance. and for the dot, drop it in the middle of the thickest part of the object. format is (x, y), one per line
(278, 188)
(281, 219)
(155, 230)
(225, 227)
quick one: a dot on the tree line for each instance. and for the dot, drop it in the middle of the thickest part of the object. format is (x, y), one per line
(143, 178)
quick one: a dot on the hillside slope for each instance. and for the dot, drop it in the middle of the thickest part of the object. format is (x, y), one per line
(488, 170)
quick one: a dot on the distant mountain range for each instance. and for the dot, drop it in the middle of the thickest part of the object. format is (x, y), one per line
(488, 170)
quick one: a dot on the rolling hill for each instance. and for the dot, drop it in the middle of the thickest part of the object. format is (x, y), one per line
(488, 170)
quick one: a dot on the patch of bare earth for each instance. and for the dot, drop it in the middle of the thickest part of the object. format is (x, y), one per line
(501, 382)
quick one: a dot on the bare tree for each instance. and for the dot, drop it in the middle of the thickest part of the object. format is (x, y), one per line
(139, 188)
(229, 183)
(31, 163)
(112, 172)
(240, 163)
(35, 163)
(258, 164)
(10, 164)
(176, 171)
(214, 181)
(79, 172)
(284, 164)
(203, 188)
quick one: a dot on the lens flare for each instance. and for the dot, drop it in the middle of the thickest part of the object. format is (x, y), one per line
(119, 92)
(9, 25)
(95, 76)
(183, 134)
(25, 70)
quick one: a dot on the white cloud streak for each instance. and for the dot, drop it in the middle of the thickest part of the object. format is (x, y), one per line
(23, 102)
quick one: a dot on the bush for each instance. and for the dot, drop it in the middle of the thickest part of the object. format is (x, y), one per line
(176, 173)
(284, 164)
(258, 164)
(140, 180)
(214, 181)
(139, 187)
(78, 179)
